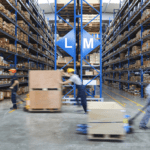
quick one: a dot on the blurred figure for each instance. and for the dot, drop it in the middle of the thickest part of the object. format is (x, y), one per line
(81, 90)
(146, 117)
(14, 87)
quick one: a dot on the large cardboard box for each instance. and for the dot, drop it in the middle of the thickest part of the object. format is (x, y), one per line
(88, 72)
(45, 99)
(105, 112)
(45, 79)
(106, 128)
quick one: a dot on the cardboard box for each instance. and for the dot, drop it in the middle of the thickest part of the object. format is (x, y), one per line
(105, 112)
(93, 82)
(88, 72)
(1, 96)
(45, 99)
(45, 79)
(95, 72)
(67, 59)
(7, 94)
(106, 128)
(122, 55)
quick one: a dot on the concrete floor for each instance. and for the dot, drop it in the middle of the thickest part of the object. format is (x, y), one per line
(21, 130)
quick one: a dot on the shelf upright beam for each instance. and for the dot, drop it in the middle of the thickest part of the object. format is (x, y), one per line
(142, 30)
(100, 48)
(55, 60)
(75, 45)
(15, 56)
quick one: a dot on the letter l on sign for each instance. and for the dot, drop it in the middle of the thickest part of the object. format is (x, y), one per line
(66, 46)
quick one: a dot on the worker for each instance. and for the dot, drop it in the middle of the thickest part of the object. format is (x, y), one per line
(81, 90)
(14, 87)
(146, 117)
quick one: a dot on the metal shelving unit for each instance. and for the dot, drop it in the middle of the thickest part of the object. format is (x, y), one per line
(113, 35)
(14, 57)
(84, 52)
(76, 14)
(58, 13)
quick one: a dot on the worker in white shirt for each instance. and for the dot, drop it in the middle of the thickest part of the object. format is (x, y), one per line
(146, 117)
(81, 89)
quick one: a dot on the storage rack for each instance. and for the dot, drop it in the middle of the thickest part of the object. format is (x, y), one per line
(16, 57)
(112, 52)
(74, 13)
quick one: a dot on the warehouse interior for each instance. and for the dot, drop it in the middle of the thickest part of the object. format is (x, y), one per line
(74, 74)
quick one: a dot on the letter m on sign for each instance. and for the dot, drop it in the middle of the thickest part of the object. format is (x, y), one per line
(89, 43)
(86, 44)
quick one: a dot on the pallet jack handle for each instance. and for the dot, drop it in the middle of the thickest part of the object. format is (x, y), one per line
(132, 119)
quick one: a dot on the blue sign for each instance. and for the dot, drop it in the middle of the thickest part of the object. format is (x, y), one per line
(89, 43)
(67, 43)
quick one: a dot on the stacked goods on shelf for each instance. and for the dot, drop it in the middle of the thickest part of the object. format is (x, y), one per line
(134, 89)
(16, 48)
(146, 46)
(1, 96)
(146, 78)
(23, 25)
(126, 47)
(46, 93)
(4, 94)
(64, 59)
(105, 121)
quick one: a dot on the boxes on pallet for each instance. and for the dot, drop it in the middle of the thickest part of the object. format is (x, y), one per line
(122, 55)
(7, 94)
(64, 59)
(138, 35)
(146, 46)
(103, 120)
(145, 14)
(88, 72)
(50, 81)
(146, 78)
(19, 6)
(1, 95)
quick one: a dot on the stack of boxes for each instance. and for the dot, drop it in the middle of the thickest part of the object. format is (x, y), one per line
(64, 59)
(105, 121)
(45, 90)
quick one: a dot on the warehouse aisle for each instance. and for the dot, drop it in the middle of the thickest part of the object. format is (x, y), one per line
(21, 130)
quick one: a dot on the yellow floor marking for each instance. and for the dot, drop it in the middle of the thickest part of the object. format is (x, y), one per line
(12, 111)
(115, 99)
(127, 99)
(131, 104)
(141, 111)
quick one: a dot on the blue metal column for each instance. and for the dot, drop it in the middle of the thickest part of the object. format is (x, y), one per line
(81, 40)
(75, 44)
(100, 13)
(15, 56)
(55, 63)
(142, 30)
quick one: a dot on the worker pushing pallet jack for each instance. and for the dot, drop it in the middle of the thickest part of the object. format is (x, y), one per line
(146, 117)
(82, 128)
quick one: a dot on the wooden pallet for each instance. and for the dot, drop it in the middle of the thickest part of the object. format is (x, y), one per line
(44, 110)
(106, 137)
